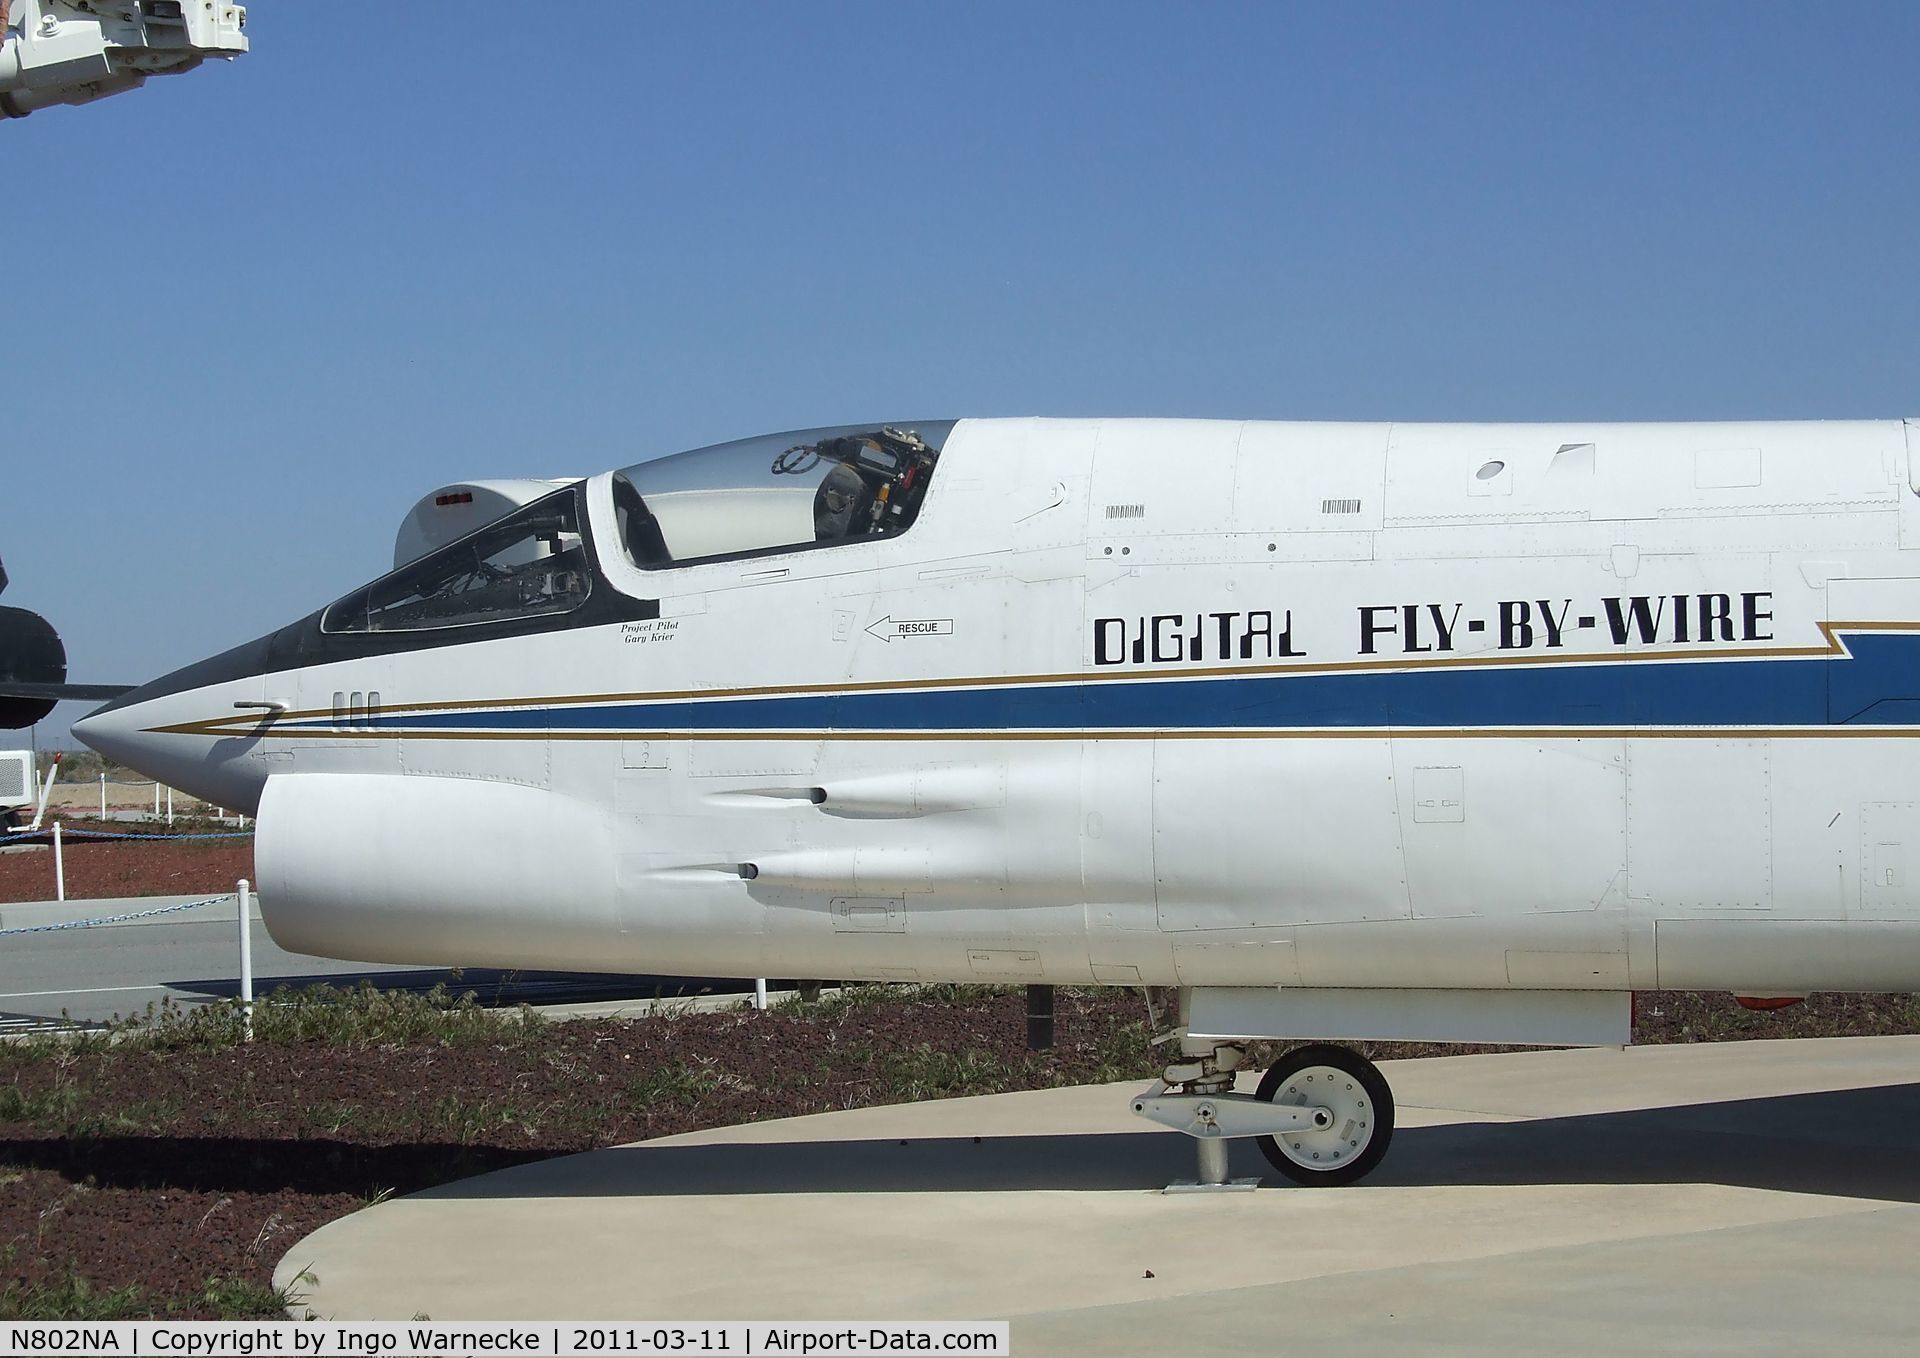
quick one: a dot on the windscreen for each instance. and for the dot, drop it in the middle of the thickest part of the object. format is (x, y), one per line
(777, 492)
(529, 564)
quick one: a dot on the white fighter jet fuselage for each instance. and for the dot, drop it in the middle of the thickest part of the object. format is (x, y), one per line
(1415, 731)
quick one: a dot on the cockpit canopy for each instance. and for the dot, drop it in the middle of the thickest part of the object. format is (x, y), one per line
(529, 563)
(777, 492)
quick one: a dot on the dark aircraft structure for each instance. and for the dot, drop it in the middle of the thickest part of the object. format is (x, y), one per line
(33, 669)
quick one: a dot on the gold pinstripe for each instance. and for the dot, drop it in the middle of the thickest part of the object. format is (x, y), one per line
(1834, 646)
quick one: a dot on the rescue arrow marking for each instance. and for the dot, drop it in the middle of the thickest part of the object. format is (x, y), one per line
(888, 628)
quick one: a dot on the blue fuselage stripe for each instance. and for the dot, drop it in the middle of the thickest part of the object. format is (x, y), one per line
(1878, 684)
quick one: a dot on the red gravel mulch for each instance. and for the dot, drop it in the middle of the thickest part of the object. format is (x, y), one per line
(163, 1169)
(153, 867)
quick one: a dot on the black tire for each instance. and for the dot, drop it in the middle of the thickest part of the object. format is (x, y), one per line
(1362, 1084)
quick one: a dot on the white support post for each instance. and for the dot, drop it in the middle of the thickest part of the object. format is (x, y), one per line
(760, 993)
(59, 866)
(46, 791)
(246, 957)
(103, 796)
(156, 801)
(169, 806)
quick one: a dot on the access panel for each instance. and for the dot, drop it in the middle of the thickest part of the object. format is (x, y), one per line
(1251, 834)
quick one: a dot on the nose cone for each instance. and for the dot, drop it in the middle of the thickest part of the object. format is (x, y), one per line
(111, 731)
(146, 737)
(172, 730)
(157, 739)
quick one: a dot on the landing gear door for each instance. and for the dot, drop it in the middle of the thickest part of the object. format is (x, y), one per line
(1258, 834)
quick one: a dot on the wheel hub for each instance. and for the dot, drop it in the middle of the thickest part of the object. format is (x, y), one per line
(1343, 1123)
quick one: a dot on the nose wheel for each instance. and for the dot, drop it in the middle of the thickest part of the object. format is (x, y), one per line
(1323, 1115)
(1351, 1124)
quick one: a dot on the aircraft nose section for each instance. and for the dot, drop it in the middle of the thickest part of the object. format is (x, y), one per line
(113, 733)
(161, 738)
(180, 728)
(124, 734)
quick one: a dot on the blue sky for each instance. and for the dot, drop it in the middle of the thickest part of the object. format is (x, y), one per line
(252, 313)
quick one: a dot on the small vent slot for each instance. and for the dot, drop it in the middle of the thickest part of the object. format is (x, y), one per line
(1339, 506)
(1126, 511)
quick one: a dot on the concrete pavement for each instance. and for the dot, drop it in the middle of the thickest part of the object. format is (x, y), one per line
(93, 974)
(1733, 1198)
(90, 975)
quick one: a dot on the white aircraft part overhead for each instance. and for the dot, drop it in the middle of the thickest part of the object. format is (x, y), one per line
(73, 52)
(450, 512)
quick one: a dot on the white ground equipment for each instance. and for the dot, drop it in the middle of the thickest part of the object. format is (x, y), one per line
(76, 51)
(16, 785)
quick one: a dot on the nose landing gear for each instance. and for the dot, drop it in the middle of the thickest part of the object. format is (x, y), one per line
(1323, 1114)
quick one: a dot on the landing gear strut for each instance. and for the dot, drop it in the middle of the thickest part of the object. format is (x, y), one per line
(1323, 1114)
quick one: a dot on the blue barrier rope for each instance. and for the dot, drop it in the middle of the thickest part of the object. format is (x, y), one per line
(119, 834)
(114, 919)
(32, 836)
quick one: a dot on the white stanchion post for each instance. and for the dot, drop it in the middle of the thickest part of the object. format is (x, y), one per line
(246, 957)
(59, 866)
(169, 806)
(156, 801)
(103, 796)
(46, 791)
(760, 993)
